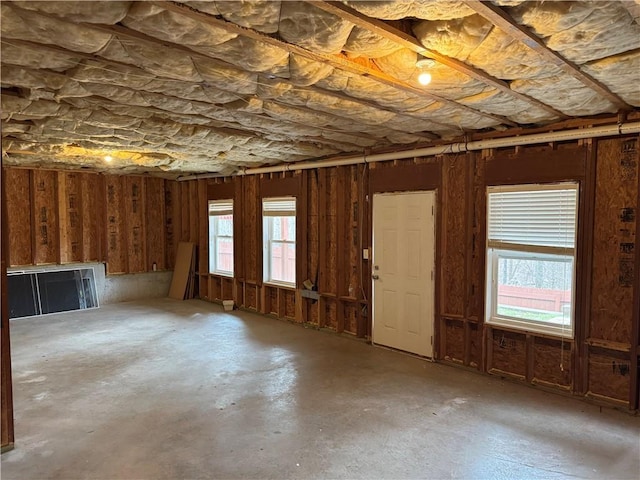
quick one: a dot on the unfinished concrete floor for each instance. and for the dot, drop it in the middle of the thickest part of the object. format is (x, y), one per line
(165, 389)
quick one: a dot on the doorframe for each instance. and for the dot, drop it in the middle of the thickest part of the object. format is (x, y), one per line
(407, 177)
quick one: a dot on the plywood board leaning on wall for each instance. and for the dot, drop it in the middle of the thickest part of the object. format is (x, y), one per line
(183, 271)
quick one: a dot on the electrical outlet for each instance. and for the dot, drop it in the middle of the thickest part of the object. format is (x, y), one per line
(365, 254)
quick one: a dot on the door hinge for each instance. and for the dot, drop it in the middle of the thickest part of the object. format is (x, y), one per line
(431, 274)
(431, 339)
(432, 210)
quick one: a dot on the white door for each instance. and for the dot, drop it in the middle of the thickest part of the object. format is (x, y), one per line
(403, 271)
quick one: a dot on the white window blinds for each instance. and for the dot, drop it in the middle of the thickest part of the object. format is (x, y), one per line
(279, 207)
(537, 215)
(220, 207)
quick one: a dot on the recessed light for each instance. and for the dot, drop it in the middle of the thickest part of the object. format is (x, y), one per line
(108, 158)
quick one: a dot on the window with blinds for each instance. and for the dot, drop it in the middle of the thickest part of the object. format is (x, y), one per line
(221, 237)
(536, 216)
(531, 241)
(279, 234)
(279, 207)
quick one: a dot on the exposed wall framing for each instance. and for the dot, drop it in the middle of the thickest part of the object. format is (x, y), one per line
(135, 223)
(597, 362)
(68, 217)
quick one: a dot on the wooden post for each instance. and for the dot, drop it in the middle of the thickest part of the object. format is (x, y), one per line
(6, 387)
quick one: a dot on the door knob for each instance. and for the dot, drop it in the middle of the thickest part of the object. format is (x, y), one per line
(375, 277)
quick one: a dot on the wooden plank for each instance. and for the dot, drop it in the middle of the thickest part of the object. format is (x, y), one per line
(453, 274)
(91, 192)
(173, 220)
(584, 264)
(332, 264)
(302, 244)
(203, 227)
(6, 385)
(195, 212)
(238, 235)
(552, 362)
(19, 225)
(182, 271)
(135, 213)
(116, 238)
(154, 225)
(453, 337)
(479, 256)
(185, 212)
(512, 168)
(322, 200)
(609, 374)
(471, 308)
(251, 251)
(45, 208)
(634, 396)
(614, 246)
(70, 212)
(221, 191)
(509, 353)
(341, 268)
(405, 178)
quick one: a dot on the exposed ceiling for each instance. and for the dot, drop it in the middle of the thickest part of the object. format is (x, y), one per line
(219, 86)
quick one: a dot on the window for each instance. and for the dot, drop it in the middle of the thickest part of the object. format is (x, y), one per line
(221, 237)
(531, 241)
(279, 232)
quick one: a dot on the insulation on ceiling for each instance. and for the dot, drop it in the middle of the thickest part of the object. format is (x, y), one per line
(177, 90)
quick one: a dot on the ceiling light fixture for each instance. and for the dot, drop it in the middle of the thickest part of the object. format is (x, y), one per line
(424, 78)
(108, 158)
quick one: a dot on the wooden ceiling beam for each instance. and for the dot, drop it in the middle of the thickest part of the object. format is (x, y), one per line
(405, 40)
(336, 61)
(508, 25)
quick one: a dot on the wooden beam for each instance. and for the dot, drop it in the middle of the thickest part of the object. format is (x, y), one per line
(6, 385)
(504, 22)
(407, 41)
(337, 61)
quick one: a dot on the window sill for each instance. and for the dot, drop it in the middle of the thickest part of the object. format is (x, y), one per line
(272, 283)
(530, 327)
(221, 274)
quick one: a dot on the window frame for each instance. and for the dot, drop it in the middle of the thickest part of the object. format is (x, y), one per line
(495, 250)
(268, 240)
(224, 207)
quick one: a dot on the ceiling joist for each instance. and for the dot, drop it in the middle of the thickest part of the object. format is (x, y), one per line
(335, 61)
(407, 41)
(504, 22)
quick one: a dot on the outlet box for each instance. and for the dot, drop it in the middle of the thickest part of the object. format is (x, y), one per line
(365, 254)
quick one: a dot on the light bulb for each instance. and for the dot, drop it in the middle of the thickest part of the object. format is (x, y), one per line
(424, 78)
(108, 158)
